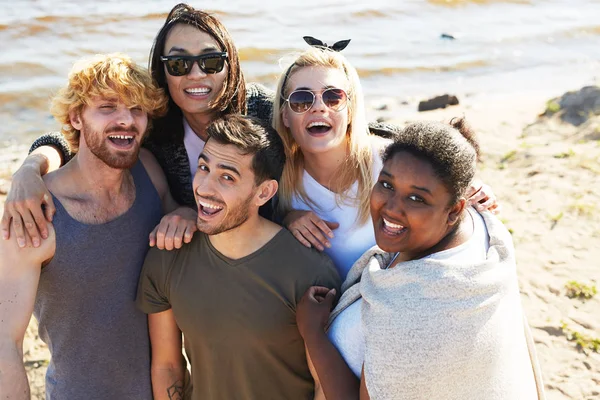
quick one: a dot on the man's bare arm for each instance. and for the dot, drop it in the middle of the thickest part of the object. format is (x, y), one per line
(167, 366)
(27, 195)
(19, 277)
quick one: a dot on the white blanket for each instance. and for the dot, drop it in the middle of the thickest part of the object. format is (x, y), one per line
(438, 330)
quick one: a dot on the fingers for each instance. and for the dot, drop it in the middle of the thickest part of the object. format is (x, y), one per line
(477, 197)
(5, 223)
(152, 237)
(323, 226)
(315, 231)
(329, 298)
(495, 208)
(189, 232)
(316, 237)
(169, 236)
(50, 209)
(332, 225)
(319, 291)
(485, 205)
(161, 231)
(172, 232)
(31, 228)
(18, 227)
(298, 235)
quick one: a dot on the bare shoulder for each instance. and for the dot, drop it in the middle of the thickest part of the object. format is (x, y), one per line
(154, 170)
(14, 259)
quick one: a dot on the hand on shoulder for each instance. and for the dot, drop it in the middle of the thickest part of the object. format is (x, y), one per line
(12, 255)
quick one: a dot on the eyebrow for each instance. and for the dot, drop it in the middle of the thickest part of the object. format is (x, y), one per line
(422, 189)
(310, 89)
(220, 165)
(210, 49)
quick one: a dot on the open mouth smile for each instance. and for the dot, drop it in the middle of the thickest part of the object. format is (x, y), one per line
(318, 128)
(198, 91)
(121, 141)
(208, 209)
(392, 229)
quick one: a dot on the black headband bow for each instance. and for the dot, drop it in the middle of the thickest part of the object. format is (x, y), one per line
(337, 46)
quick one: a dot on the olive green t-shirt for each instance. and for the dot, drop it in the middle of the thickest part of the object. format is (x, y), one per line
(238, 317)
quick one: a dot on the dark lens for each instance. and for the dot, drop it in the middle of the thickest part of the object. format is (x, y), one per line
(213, 65)
(178, 66)
(301, 101)
(334, 99)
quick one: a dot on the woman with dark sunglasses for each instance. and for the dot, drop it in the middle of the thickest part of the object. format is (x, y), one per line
(195, 61)
(432, 311)
(332, 161)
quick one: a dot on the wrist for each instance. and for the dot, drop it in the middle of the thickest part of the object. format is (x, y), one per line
(36, 163)
(313, 334)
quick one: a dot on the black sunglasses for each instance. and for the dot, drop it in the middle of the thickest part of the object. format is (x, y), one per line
(211, 63)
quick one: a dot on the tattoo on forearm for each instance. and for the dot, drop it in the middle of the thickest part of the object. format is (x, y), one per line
(175, 391)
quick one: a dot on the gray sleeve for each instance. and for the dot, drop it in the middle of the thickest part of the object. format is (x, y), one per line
(57, 140)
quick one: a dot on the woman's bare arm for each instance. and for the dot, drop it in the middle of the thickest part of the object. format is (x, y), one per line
(29, 205)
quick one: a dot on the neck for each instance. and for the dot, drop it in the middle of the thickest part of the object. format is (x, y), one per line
(246, 238)
(324, 166)
(198, 123)
(92, 176)
(455, 236)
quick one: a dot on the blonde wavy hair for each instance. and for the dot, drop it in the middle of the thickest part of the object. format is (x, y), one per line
(111, 76)
(358, 165)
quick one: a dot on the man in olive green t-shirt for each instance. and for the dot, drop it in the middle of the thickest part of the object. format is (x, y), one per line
(233, 290)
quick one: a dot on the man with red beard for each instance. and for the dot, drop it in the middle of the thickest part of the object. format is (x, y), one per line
(81, 282)
(233, 290)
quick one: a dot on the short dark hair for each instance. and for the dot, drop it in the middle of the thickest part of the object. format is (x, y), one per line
(251, 136)
(451, 149)
(232, 98)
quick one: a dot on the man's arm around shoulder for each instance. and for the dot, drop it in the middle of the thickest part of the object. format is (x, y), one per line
(19, 277)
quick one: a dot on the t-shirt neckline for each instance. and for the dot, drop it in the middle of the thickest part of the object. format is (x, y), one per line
(245, 259)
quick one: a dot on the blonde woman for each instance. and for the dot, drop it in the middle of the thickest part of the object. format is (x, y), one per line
(332, 160)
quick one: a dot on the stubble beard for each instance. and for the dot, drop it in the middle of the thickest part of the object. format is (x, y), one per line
(237, 218)
(96, 142)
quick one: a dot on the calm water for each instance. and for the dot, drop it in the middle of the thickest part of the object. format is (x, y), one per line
(396, 45)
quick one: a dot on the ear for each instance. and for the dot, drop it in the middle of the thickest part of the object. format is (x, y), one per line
(75, 119)
(266, 191)
(285, 116)
(456, 211)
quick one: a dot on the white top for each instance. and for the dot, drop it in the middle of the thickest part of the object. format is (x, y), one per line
(193, 146)
(346, 331)
(351, 239)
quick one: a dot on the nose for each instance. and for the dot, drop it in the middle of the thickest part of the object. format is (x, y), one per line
(125, 117)
(318, 104)
(394, 206)
(203, 184)
(196, 72)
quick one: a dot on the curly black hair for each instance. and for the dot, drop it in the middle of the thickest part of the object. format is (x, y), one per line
(451, 149)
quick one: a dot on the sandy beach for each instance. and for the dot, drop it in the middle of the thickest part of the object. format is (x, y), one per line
(546, 174)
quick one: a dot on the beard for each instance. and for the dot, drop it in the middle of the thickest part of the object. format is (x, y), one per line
(239, 214)
(96, 142)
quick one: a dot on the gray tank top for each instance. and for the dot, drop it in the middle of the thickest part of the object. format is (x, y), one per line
(85, 303)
